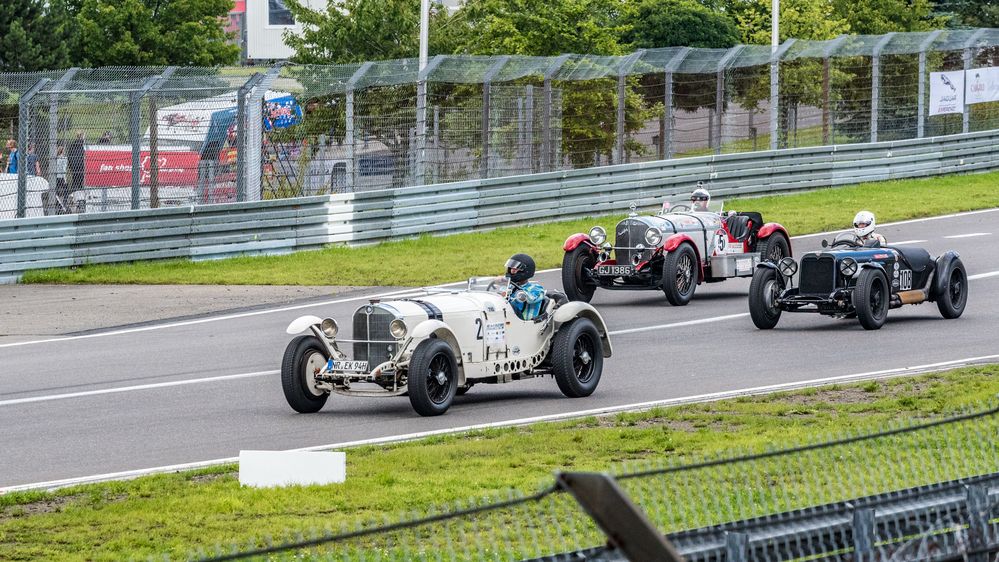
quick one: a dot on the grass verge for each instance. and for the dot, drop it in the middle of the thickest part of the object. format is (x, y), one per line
(175, 514)
(428, 260)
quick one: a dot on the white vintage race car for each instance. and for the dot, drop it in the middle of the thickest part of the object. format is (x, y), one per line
(439, 342)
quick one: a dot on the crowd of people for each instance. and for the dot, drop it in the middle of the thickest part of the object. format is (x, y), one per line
(67, 167)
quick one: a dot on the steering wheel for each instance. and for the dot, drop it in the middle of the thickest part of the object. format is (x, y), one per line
(680, 207)
(491, 285)
(845, 242)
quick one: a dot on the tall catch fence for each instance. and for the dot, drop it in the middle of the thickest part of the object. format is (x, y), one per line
(924, 491)
(128, 138)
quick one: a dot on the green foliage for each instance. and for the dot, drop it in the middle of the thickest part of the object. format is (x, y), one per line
(801, 19)
(875, 17)
(153, 32)
(679, 23)
(968, 13)
(34, 35)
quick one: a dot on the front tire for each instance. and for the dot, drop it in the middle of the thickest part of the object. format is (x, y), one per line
(577, 286)
(304, 357)
(774, 248)
(433, 377)
(680, 275)
(763, 293)
(870, 299)
(577, 358)
(955, 294)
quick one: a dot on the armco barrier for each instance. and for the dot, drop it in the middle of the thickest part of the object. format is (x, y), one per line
(281, 226)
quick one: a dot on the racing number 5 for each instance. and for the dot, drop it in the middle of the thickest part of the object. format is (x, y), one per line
(478, 328)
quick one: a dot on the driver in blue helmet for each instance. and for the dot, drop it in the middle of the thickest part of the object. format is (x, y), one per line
(527, 296)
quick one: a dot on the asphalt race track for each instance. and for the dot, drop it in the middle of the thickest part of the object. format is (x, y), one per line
(198, 390)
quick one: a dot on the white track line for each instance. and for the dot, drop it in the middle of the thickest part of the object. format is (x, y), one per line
(972, 235)
(894, 243)
(379, 295)
(983, 275)
(639, 406)
(677, 324)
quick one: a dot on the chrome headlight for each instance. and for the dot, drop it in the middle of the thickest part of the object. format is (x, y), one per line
(653, 236)
(788, 267)
(398, 329)
(329, 327)
(848, 267)
(598, 235)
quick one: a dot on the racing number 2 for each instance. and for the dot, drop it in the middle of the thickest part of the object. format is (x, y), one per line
(478, 328)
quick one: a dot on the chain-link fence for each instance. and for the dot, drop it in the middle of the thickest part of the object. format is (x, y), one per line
(928, 490)
(127, 138)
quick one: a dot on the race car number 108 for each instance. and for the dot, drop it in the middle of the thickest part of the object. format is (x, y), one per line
(616, 270)
(352, 366)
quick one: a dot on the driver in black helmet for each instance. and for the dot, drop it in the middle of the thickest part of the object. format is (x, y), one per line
(527, 296)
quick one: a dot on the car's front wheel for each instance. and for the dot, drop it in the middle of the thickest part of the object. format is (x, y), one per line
(763, 293)
(304, 358)
(577, 285)
(870, 299)
(955, 293)
(577, 358)
(433, 377)
(680, 270)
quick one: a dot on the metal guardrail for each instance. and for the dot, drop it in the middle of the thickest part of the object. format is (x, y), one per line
(281, 226)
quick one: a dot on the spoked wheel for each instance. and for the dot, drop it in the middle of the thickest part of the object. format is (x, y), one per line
(870, 299)
(304, 358)
(433, 377)
(955, 294)
(680, 275)
(577, 358)
(763, 293)
(577, 285)
(775, 248)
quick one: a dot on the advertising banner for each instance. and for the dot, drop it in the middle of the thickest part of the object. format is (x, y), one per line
(946, 92)
(113, 168)
(982, 85)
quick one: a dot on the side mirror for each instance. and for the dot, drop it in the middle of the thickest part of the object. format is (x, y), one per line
(825, 243)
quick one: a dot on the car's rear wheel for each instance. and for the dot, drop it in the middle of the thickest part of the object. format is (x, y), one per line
(763, 293)
(680, 275)
(577, 285)
(774, 248)
(433, 377)
(955, 293)
(870, 299)
(577, 358)
(304, 358)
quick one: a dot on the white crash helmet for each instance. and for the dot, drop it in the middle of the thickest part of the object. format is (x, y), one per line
(863, 223)
(700, 195)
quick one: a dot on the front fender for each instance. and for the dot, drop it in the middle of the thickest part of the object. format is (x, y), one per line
(576, 309)
(942, 270)
(573, 242)
(302, 324)
(872, 265)
(440, 330)
(769, 228)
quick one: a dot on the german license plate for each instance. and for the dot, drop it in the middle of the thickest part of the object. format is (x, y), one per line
(616, 270)
(348, 366)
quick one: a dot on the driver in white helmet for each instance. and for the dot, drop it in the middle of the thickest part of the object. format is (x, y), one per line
(863, 228)
(699, 199)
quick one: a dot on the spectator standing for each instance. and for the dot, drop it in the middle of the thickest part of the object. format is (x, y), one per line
(12, 157)
(75, 156)
(31, 164)
(61, 163)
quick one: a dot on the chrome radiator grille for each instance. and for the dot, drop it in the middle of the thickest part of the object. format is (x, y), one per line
(629, 234)
(818, 275)
(372, 323)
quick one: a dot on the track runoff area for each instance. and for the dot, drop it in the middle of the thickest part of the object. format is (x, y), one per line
(168, 396)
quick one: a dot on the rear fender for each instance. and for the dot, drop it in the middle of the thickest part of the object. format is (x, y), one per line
(575, 309)
(440, 330)
(769, 228)
(943, 267)
(573, 242)
(674, 241)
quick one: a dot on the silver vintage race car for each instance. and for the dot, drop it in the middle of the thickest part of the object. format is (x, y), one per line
(438, 343)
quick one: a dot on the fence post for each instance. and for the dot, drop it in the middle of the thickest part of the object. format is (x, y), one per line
(775, 57)
(254, 133)
(529, 128)
(968, 57)
(622, 72)
(546, 118)
(486, 87)
(349, 140)
(154, 140)
(54, 126)
(876, 82)
(242, 122)
(863, 533)
(720, 92)
(736, 547)
(666, 141)
(135, 135)
(23, 121)
(979, 509)
(421, 117)
(921, 101)
(626, 527)
(828, 123)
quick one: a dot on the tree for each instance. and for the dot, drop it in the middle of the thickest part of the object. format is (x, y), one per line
(968, 13)
(876, 17)
(679, 23)
(800, 19)
(153, 32)
(33, 36)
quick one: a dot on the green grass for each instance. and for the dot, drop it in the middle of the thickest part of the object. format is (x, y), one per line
(177, 513)
(427, 260)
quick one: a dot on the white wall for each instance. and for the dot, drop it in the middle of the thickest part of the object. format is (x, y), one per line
(265, 41)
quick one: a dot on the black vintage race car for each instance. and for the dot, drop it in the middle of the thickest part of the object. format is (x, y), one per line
(851, 278)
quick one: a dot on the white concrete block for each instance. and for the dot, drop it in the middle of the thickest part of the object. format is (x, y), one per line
(285, 468)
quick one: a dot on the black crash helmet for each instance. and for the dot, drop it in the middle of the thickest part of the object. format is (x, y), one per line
(520, 268)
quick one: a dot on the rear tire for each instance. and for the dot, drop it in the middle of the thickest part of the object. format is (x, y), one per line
(763, 292)
(680, 273)
(577, 358)
(302, 357)
(577, 287)
(955, 294)
(870, 299)
(433, 377)
(774, 248)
